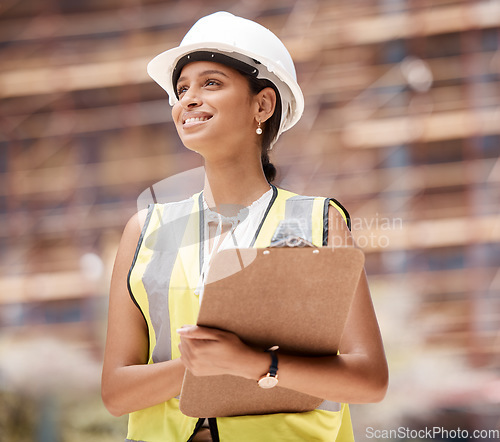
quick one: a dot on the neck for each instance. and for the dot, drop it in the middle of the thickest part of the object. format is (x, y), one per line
(231, 185)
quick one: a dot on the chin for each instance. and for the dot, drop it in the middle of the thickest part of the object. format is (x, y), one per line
(200, 143)
(193, 146)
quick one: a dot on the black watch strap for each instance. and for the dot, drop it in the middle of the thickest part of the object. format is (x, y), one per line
(273, 369)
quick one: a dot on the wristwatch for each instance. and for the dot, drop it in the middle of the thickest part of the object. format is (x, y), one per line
(270, 379)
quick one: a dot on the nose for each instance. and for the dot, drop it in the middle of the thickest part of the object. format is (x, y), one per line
(190, 99)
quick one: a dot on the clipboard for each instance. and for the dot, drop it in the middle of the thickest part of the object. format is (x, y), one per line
(297, 298)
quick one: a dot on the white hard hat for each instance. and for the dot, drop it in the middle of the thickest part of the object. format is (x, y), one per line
(242, 43)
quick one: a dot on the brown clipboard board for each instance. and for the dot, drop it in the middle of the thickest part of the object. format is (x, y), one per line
(297, 298)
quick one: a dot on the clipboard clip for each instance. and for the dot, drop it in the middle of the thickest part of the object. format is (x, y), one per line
(290, 233)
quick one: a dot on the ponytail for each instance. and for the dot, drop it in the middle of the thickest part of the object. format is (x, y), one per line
(267, 166)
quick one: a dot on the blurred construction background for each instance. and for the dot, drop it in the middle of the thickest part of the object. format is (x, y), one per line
(402, 125)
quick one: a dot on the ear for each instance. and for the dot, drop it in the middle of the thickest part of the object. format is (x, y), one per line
(266, 103)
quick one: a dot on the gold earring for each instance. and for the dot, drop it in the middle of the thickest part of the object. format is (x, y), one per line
(258, 131)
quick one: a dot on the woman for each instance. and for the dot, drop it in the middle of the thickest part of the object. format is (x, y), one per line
(233, 89)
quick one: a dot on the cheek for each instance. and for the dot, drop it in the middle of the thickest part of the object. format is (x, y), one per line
(176, 111)
(237, 113)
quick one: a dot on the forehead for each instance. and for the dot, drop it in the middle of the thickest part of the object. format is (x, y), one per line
(198, 68)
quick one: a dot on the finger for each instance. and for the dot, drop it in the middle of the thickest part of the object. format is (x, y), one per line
(185, 328)
(196, 332)
(191, 357)
(186, 353)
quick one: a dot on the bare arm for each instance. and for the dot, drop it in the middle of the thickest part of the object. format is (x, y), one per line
(358, 375)
(128, 382)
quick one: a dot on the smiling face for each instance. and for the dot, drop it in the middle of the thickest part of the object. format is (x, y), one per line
(216, 112)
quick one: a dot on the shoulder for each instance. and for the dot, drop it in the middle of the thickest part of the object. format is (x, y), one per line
(133, 229)
(127, 247)
(336, 209)
(136, 222)
(339, 226)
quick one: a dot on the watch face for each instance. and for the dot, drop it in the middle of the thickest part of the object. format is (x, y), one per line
(268, 382)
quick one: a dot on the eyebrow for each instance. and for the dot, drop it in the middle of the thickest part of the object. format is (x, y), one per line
(207, 72)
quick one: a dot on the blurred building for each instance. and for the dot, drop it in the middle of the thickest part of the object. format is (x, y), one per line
(402, 125)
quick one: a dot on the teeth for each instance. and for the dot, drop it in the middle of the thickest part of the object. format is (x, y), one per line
(192, 120)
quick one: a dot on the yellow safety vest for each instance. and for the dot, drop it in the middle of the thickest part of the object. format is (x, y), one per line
(162, 280)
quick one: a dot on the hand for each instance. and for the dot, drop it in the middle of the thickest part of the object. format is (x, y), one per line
(208, 351)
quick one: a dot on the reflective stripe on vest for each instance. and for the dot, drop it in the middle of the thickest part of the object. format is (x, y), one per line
(162, 280)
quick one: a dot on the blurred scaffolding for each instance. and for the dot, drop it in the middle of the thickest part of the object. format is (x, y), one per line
(402, 125)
